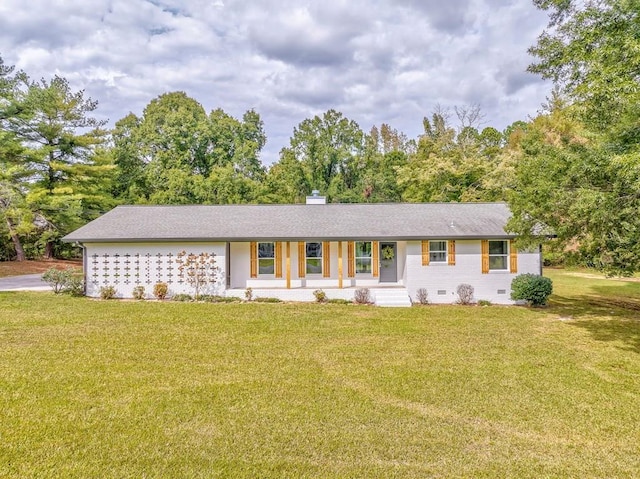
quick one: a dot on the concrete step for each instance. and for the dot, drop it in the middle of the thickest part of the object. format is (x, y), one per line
(392, 298)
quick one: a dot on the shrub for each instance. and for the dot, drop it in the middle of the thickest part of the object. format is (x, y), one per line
(108, 292)
(465, 293)
(362, 296)
(422, 297)
(181, 297)
(160, 290)
(339, 301)
(57, 278)
(268, 300)
(208, 298)
(484, 302)
(248, 294)
(532, 288)
(321, 296)
(138, 292)
(75, 285)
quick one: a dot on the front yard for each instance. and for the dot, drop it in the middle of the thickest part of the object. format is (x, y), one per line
(148, 389)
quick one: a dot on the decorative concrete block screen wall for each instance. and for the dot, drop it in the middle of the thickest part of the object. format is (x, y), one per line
(127, 265)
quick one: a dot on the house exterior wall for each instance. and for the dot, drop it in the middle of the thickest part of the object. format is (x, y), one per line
(442, 280)
(127, 265)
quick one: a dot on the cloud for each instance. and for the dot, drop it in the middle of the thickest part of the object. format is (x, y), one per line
(375, 61)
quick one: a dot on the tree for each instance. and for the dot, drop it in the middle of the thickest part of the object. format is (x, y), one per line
(176, 154)
(12, 205)
(591, 49)
(199, 270)
(578, 172)
(328, 151)
(451, 163)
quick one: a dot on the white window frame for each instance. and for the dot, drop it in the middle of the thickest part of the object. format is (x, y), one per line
(504, 255)
(433, 251)
(272, 258)
(356, 257)
(313, 258)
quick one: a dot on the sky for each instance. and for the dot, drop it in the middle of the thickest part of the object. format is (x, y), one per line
(376, 61)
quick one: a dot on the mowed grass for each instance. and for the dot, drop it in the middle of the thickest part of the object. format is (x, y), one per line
(123, 389)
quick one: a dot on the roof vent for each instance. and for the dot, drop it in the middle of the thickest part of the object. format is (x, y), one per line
(316, 199)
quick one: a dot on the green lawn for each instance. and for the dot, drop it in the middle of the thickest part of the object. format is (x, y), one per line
(119, 389)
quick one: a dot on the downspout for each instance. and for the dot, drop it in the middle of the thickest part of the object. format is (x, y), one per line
(540, 259)
(84, 267)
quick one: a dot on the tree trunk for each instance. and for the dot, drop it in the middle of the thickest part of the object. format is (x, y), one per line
(17, 245)
(48, 250)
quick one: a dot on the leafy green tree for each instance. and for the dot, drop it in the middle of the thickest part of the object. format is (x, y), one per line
(578, 174)
(12, 205)
(328, 151)
(451, 164)
(177, 154)
(591, 49)
(58, 177)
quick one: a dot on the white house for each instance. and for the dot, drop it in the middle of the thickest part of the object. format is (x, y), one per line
(288, 251)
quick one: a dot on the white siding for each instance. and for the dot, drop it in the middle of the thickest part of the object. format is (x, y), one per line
(442, 280)
(127, 265)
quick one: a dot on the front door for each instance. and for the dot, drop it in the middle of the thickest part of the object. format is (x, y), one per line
(388, 263)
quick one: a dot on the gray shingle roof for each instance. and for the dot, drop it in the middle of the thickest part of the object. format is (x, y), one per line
(398, 221)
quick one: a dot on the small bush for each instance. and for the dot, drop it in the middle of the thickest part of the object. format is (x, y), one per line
(532, 288)
(181, 297)
(108, 292)
(268, 300)
(138, 292)
(75, 285)
(160, 290)
(248, 294)
(362, 296)
(207, 298)
(57, 278)
(422, 297)
(484, 302)
(321, 296)
(465, 293)
(339, 301)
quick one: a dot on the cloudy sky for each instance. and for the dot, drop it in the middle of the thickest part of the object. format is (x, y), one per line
(376, 61)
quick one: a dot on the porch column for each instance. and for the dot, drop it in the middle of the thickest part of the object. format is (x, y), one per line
(340, 264)
(288, 255)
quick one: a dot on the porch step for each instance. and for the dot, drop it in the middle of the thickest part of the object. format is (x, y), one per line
(392, 298)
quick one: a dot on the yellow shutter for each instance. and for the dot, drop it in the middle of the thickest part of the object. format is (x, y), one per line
(485, 256)
(253, 248)
(302, 260)
(351, 247)
(513, 257)
(425, 253)
(375, 250)
(278, 259)
(452, 253)
(326, 259)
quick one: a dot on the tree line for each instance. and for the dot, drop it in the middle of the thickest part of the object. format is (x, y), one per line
(572, 172)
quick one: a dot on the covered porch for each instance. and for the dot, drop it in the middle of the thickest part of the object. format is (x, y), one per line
(310, 264)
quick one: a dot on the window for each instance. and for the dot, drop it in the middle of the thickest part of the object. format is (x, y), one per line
(266, 258)
(498, 255)
(363, 256)
(314, 258)
(437, 251)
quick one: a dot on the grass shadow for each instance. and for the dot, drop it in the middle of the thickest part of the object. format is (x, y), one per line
(608, 314)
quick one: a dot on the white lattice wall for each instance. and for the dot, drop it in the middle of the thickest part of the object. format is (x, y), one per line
(127, 265)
